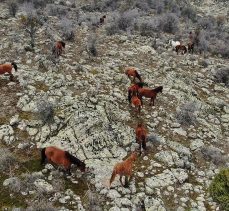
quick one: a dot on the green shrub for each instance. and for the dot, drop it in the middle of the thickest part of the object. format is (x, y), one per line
(219, 189)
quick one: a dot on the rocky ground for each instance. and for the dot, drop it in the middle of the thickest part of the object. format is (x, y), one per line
(93, 121)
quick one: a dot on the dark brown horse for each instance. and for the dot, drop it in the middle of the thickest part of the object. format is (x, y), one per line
(7, 68)
(124, 168)
(58, 48)
(131, 71)
(141, 134)
(181, 48)
(149, 93)
(62, 158)
(134, 88)
(101, 20)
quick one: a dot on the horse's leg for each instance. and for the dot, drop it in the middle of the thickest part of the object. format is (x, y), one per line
(126, 182)
(120, 179)
(11, 77)
(151, 99)
(139, 109)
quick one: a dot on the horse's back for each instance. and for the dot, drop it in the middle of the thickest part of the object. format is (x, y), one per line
(4, 68)
(145, 92)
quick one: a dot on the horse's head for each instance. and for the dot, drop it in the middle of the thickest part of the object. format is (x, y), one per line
(82, 166)
(104, 16)
(14, 65)
(160, 88)
(63, 44)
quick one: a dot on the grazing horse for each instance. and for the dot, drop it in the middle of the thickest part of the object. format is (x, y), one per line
(58, 48)
(149, 93)
(134, 88)
(131, 71)
(181, 48)
(124, 168)
(135, 100)
(174, 44)
(101, 20)
(141, 134)
(191, 47)
(61, 157)
(7, 68)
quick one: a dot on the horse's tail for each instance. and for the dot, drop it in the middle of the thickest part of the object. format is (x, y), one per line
(43, 156)
(112, 176)
(143, 141)
(14, 65)
(138, 76)
(185, 49)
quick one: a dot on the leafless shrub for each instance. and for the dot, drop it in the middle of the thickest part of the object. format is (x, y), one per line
(14, 184)
(214, 154)
(7, 160)
(67, 28)
(189, 12)
(222, 76)
(203, 44)
(148, 27)
(30, 22)
(186, 114)
(159, 6)
(27, 181)
(93, 202)
(56, 10)
(13, 7)
(169, 23)
(154, 139)
(91, 45)
(45, 111)
(221, 47)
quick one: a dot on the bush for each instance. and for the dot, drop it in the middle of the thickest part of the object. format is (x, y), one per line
(148, 27)
(45, 111)
(189, 12)
(222, 76)
(67, 28)
(13, 7)
(56, 10)
(41, 205)
(203, 44)
(91, 45)
(213, 154)
(169, 23)
(219, 189)
(6, 159)
(186, 114)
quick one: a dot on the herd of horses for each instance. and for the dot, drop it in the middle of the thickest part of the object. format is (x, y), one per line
(136, 92)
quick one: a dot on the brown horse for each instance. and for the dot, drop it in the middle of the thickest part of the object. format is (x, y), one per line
(131, 71)
(58, 48)
(141, 134)
(61, 157)
(124, 168)
(149, 93)
(181, 48)
(134, 88)
(191, 47)
(101, 20)
(135, 100)
(7, 68)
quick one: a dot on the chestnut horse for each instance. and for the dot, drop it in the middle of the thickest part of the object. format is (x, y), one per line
(62, 158)
(124, 168)
(131, 71)
(58, 48)
(101, 20)
(135, 100)
(134, 88)
(141, 134)
(149, 93)
(7, 68)
(181, 48)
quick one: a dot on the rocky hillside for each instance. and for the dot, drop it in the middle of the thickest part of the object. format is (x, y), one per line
(78, 102)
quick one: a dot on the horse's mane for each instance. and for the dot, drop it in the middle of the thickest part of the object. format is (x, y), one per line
(141, 84)
(138, 76)
(62, 43)
(158, 89)
(74, 159)
(14, 65)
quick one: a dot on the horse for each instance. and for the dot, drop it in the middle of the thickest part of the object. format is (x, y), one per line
(135, 100)
(141, 134)
(62, 158)
(134, 88)
(131, 71)
(191, 47)
(58, 48)
(149, 93)
(101, 20)
(181, 48)
(124, 168)
(7, 68)
(174, 43)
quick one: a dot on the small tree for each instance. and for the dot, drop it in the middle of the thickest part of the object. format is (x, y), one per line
(13, 7)
(66, 26)
(30, 22)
